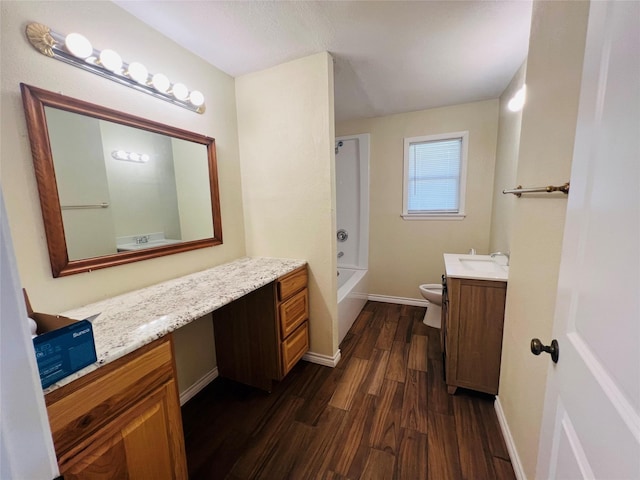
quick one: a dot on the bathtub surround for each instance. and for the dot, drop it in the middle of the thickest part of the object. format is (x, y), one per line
(404, 254)
(352, 223)
(352, 200)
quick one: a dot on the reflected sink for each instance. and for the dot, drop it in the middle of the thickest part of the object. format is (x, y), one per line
(479, 267)
(126, 247)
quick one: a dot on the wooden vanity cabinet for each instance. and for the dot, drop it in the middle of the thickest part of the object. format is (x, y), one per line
(293, 318)
(122, 420)
(472, 333)
(262, 335)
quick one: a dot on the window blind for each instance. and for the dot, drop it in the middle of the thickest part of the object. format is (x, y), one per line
(434, 176)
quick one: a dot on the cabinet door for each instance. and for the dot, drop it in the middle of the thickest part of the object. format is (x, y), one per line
(137, 445)
(474, 334)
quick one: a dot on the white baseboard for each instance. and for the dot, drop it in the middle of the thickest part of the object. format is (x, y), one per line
(400, 300)
(508, 439)
(194, 389)
(326, 360)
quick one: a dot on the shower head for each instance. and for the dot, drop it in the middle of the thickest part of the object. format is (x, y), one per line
(338, 145)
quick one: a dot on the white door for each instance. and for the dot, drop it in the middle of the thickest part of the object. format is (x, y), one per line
(591, 423)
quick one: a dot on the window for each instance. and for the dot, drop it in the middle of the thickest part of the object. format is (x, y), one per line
(435, 176)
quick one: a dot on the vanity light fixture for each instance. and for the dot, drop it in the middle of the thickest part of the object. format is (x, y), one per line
(517, 101)
(130, 156)
(76, 50)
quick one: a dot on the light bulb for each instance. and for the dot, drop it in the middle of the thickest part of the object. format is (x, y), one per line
(111, 60)
(517, 102)
(121, 155)
(196, 98)
(134, 157)
(78, 45)
(138, 72)
(180, 91)
(144, 158)
(160, 82)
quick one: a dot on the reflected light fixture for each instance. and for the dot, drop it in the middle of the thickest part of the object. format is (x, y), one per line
(517, 101)
(130, 156)
(76, 50)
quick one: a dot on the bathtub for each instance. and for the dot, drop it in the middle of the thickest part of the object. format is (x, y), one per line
(352, 295)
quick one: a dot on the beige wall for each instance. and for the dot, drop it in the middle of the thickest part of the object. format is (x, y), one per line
(553, 75)
(506, 166)
(285, 125)
(405, 253)
(107, 25)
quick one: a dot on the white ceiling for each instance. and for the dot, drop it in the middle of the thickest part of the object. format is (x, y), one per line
(390, 56)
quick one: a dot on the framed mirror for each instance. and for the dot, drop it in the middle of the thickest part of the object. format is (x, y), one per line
(115, 188)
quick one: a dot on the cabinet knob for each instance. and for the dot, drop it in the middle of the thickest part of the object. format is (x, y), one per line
(537, 348)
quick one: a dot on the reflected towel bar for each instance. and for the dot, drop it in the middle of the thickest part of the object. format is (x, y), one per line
(80, 207)
(518, 191)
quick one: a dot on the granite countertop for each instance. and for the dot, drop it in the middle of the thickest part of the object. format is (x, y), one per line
(129, 321)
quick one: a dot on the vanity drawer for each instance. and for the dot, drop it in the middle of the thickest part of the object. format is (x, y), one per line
(293, 312)
(294, 347)
(291, 283)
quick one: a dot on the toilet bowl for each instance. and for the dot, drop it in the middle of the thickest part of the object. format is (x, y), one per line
(432, 292)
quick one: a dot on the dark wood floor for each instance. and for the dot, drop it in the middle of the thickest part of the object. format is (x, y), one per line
(383, 412)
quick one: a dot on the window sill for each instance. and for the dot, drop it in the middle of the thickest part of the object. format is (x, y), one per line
(457, 216)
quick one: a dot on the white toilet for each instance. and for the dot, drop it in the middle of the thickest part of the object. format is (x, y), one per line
(432, 292)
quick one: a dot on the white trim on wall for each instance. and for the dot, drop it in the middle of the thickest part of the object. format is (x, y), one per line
(399, 300)
(194, 389)
(320, 359)
(508, 439)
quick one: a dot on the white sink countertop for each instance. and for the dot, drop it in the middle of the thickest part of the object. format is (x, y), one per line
(134, 319)
(477, 267)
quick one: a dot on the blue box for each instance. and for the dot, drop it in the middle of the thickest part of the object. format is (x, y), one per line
(63, 351)
(63, 345)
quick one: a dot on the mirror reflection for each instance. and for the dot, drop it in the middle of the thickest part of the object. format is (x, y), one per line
(115, 188)
(125, 189)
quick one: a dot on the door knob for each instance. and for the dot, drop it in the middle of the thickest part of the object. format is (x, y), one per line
(554, 350)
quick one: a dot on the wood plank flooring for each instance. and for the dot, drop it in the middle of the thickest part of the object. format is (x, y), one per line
(382, 413)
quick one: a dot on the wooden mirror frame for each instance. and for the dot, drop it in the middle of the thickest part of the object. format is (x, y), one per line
(35, 100)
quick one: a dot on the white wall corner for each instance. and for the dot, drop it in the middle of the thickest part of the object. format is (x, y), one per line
(320, 359)
(508, 439)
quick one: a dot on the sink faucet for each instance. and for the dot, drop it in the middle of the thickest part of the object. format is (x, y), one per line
(495, 254)
(142, 239)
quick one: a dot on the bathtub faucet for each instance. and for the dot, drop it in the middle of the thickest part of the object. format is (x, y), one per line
(340, 254)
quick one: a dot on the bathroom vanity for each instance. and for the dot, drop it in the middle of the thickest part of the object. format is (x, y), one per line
(261, 336)
(472, 322)
(120, 417)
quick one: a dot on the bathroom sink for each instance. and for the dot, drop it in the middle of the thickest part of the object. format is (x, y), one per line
(479, 267)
